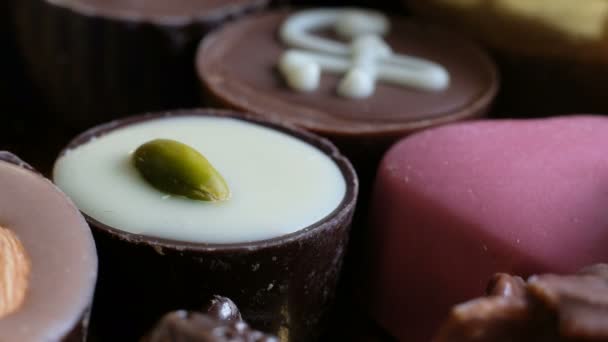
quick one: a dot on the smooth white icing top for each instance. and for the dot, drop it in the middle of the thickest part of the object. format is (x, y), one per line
(365, 60)
(279, 183)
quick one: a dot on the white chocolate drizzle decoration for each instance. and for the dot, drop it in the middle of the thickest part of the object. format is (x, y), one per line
(367, 59)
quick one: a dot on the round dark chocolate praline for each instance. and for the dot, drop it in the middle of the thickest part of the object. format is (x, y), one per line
(96, 60)
(284, 285)
(61, 253)
(237, 67)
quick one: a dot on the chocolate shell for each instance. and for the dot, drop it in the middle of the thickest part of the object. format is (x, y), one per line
(284, 285)
(364, 128)
(98, 60)
(60, 254)
(220, 322)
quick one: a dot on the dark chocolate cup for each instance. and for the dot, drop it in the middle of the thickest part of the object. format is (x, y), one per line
(93, 67)
(283, 285)
(77, 329)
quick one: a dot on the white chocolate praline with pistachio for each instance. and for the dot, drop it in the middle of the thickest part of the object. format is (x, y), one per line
(279, 184)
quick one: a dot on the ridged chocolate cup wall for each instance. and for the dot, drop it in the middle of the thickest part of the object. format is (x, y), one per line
(283, 285)
(58, 299)
(93, 67)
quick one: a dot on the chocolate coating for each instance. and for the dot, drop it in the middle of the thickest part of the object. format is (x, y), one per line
(284, 285)
(224, 309)
(158, 9)
(545, 308)
(253, 84)
(225, 325)
(61, 251)
(93, 62)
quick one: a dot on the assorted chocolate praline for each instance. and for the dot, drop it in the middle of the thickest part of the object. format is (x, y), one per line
(551, 53)
(546, 307)
(220, 322)
(455, 204)
(283, 285)
(361, 128)
(47, 256)
(95, 60)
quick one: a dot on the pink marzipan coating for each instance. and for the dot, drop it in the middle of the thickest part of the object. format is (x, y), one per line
(455, 204)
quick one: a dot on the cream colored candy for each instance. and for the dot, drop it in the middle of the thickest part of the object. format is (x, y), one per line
(279, 184)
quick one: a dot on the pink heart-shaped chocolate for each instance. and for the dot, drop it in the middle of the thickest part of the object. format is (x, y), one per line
(455, 204)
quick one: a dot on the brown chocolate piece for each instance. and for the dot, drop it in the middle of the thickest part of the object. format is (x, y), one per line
(283, 285)
(59, 251)
(545, 308)
(224, 309)
(364, 128)
(221, 323)
(95, 60)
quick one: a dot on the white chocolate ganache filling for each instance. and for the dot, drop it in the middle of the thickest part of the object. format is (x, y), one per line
(279, 184)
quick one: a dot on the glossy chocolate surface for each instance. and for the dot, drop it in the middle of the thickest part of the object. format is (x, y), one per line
(254, 84)
(62, 254)
(283, 286)
(221, 322)
(157, 9)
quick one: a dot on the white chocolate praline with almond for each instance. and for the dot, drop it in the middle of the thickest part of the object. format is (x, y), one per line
(279, 184)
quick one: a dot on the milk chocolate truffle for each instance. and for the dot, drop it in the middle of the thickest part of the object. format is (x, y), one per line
(95, 60)
(547, 307)
(48, 262)
(456, 204)
(550, 52)
(239, 68)
(274, 244)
